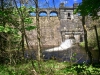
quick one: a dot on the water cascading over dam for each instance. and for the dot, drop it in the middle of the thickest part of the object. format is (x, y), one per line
(64, 45)
(66, 51)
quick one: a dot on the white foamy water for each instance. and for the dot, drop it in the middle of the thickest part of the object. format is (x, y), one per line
(64, 45)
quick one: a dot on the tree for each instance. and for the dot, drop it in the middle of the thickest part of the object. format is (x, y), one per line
(12, 21)
(38, 31)
(89, 7)
(7, 29)
(25, 20)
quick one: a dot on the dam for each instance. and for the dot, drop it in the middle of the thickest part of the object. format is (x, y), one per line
(55, 29)
(56, 32)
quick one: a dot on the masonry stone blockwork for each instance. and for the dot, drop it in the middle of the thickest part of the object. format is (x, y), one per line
(55, 30)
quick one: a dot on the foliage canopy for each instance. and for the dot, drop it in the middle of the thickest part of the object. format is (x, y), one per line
(89, 7)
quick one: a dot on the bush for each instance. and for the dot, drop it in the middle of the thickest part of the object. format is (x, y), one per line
(92, 41)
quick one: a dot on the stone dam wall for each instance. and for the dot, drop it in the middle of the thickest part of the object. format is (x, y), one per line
(49, 29)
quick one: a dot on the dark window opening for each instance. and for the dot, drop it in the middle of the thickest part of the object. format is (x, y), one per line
(69, 17)
(68, 14)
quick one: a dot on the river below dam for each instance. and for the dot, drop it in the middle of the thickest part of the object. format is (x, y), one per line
(67, 51)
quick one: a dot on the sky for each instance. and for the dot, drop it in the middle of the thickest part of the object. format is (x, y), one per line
(52, 3)
(55, 3)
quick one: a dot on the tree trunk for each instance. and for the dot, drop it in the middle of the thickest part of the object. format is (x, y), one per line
(95, 27)
(3, 41)
(23, 35)
(22, 26)
(38, 32)
(85, 39)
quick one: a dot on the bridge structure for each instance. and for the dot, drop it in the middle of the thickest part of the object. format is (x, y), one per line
(59, 11)
(48, 11)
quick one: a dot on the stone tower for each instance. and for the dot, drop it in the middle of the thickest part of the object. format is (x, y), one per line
(70, 23)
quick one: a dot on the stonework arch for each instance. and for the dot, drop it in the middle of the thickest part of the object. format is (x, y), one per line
(43, 13)
(33, 14)
(53, 13)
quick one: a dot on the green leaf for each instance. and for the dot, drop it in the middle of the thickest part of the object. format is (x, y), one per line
(6, 29)
(1, 28)
(32, 9)
(28, 20)
(28, 28)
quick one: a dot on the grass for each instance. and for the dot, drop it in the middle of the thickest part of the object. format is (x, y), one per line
(50, 67)
(20, 69)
